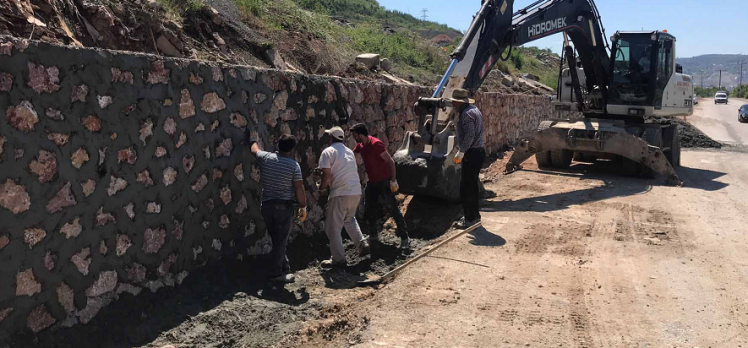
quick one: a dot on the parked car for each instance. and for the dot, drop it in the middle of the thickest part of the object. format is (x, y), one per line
(743, 114)
(720, 97)
(695, 99)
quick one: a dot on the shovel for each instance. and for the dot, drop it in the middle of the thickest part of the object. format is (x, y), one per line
(390, 274)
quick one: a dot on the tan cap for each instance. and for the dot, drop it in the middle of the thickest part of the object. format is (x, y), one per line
(336, 132)
(462, 96)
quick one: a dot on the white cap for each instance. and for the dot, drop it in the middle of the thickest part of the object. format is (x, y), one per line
(336, 132)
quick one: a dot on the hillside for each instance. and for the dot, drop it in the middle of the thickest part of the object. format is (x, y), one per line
(310, 36)
(709, 66)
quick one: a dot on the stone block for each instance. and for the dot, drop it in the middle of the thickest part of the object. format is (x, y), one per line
(370, 60)
(43, 79)
(22, 117)
(123, 243)
(26, 284)
(39, 319)
(44, 166)
(32, 236)
(212, 103)
(63, 199)
(153, 240)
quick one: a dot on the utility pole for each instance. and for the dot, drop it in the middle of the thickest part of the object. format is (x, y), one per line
(424, 14)
(741, 74)
(720, 79)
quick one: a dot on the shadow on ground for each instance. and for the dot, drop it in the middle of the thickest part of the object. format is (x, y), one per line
(616, 184)
(134, 321)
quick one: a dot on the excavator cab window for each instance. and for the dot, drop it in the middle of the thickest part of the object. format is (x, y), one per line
(665, 64)
(633, 69)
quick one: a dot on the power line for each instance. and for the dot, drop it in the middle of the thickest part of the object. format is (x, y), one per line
(424, 14)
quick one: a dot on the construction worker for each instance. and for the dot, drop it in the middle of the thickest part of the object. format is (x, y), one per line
(380, 168)
(340, 176)
(280, 178)
(471, 154)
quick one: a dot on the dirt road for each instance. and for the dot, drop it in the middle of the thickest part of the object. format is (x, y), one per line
(720, 122)
(585, 258)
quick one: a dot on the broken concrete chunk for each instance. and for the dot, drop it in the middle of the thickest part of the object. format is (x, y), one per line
(239, 172)
(217, 73)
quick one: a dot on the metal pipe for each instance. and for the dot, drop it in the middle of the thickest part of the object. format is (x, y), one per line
(445, 79)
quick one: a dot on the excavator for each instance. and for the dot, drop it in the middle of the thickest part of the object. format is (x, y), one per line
(615, 84)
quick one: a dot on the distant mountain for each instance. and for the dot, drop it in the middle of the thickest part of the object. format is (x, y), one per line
(709, 67)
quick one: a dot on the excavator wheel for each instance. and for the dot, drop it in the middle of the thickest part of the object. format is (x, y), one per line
(653, 136)
(544, 158)
(561, 158)
(673, 155)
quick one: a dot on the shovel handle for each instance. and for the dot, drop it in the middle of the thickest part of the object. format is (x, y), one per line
(432, 249)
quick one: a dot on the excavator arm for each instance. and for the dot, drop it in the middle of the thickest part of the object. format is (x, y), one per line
(493, 34)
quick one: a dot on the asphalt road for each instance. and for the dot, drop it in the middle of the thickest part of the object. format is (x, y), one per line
(720, 122)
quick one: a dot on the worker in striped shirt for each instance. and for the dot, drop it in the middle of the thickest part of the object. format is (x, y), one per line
(281, 181)
(471, 154)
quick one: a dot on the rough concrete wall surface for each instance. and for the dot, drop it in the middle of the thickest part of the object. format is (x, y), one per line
(122, 172)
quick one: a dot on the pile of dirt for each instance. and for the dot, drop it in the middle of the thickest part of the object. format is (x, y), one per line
(690, 136)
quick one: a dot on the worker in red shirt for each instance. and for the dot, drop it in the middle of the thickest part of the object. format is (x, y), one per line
(380, 168)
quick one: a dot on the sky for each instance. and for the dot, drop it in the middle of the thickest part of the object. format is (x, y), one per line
(700, 27)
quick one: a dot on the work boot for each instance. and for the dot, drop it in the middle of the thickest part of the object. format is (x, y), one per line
(284, 278)
(328, 264)
(405, 243)
(363, 249)
(463, 224)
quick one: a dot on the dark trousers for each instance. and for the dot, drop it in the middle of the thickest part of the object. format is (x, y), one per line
(373, 191)
(278, 216)
(469, 184)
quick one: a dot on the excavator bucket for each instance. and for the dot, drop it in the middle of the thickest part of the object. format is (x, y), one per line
(421, 173)
(560, 139)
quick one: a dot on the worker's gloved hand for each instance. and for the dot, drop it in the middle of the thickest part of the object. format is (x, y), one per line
(302, 214)
(394, 187)
(458, 157)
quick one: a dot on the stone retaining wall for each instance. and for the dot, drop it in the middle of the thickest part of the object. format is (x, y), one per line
(122, 172)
